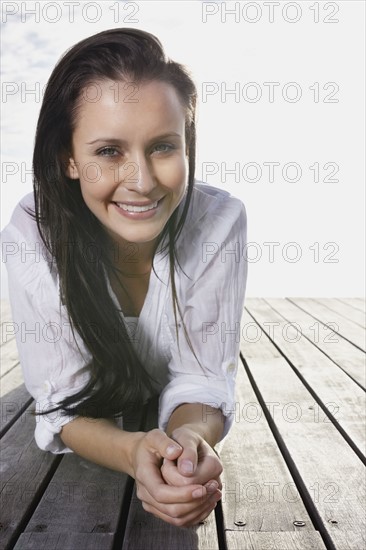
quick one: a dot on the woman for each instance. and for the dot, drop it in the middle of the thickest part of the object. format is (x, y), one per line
(124, 237)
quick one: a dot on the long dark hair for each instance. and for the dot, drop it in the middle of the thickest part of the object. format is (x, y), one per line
(66, 225)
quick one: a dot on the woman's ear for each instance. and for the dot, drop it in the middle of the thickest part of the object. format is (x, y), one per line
(72, 170)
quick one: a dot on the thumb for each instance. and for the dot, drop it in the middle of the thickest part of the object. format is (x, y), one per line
(158, 441)
(187, 461)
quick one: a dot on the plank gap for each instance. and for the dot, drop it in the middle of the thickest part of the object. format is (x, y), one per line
(317, 347)
(332, 418)
(26, 518)
(300, 485)
(12, 398)
(320, 321)
(124, 513)
(130, 485)
(351, 303)
(220, 529)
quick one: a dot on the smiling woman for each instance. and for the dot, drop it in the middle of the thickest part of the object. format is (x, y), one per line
(125, 231)
(148, 135)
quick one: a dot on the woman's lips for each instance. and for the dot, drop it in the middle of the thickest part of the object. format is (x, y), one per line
(137, 211)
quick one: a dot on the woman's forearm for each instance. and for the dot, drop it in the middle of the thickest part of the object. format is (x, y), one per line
(202, 419)
(101, 441)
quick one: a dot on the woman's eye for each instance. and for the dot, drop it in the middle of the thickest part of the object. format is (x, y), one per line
(108, 152)
(163, 148)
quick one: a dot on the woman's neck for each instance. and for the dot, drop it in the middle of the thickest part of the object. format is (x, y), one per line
(133, 259)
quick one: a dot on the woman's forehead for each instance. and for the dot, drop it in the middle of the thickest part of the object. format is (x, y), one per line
(111, 103)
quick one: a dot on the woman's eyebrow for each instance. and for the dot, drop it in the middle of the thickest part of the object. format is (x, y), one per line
(117, 140)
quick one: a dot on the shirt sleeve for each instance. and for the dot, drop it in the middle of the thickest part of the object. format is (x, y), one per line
(50, 358)
(212, 305)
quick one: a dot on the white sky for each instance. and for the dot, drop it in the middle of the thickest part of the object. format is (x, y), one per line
(225, 52)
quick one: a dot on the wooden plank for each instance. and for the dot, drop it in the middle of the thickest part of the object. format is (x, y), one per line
(143, 530)
(357, 303)
(344, 354)
(82, 497)
(12, 380)
(65, 541)
(350, 540)
(258, 488)
(329, 473)
(345, 328)
(13, 404)
(24, 471)
(347, 311)
(146, 531)
(342, 397)
(247, 540)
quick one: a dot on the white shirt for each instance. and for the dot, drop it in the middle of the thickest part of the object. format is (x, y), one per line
(211, 252)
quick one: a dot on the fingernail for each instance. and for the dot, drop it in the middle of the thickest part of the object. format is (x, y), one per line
(197, 493)
(212, 487)
(172, 449)
(186, 467)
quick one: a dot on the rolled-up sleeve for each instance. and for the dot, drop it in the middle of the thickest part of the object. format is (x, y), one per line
(51, 360)
(212, 305)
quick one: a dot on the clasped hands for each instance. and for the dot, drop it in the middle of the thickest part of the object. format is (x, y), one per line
(177, 478)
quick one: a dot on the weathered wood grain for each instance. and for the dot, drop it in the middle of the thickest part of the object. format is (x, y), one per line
(258, 488)
(65, 541)
(82, 497)
(357, 303)
(25, 470)
(344, 354)
(248, 540)
(148, 532)
(12, 380)
(13, 404)
(347, 329)
(347, 311)
(331, 474)
(339, 394)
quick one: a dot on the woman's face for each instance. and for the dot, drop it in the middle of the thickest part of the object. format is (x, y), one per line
(129, 153)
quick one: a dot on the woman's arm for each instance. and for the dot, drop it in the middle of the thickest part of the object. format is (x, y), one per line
(140, 455)
(101, 441)
(203, 419)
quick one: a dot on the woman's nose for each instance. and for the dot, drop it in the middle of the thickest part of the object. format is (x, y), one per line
(137, 175)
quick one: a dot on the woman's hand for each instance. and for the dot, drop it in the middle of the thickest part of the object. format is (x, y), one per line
(197, 463)
(181, 504)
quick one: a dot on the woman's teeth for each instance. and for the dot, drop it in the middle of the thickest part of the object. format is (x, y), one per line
(130, 208)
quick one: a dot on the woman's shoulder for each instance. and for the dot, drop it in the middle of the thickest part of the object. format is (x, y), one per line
(207, 200)
(213, 208)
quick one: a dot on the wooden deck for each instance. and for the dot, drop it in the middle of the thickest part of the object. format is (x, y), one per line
(294, 474)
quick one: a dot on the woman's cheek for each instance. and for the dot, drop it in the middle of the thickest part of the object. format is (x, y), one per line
(97, 180)
(172, 174)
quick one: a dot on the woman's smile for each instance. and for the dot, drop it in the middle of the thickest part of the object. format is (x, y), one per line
(136, 212)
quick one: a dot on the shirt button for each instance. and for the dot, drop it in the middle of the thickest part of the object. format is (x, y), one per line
(231, 368)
